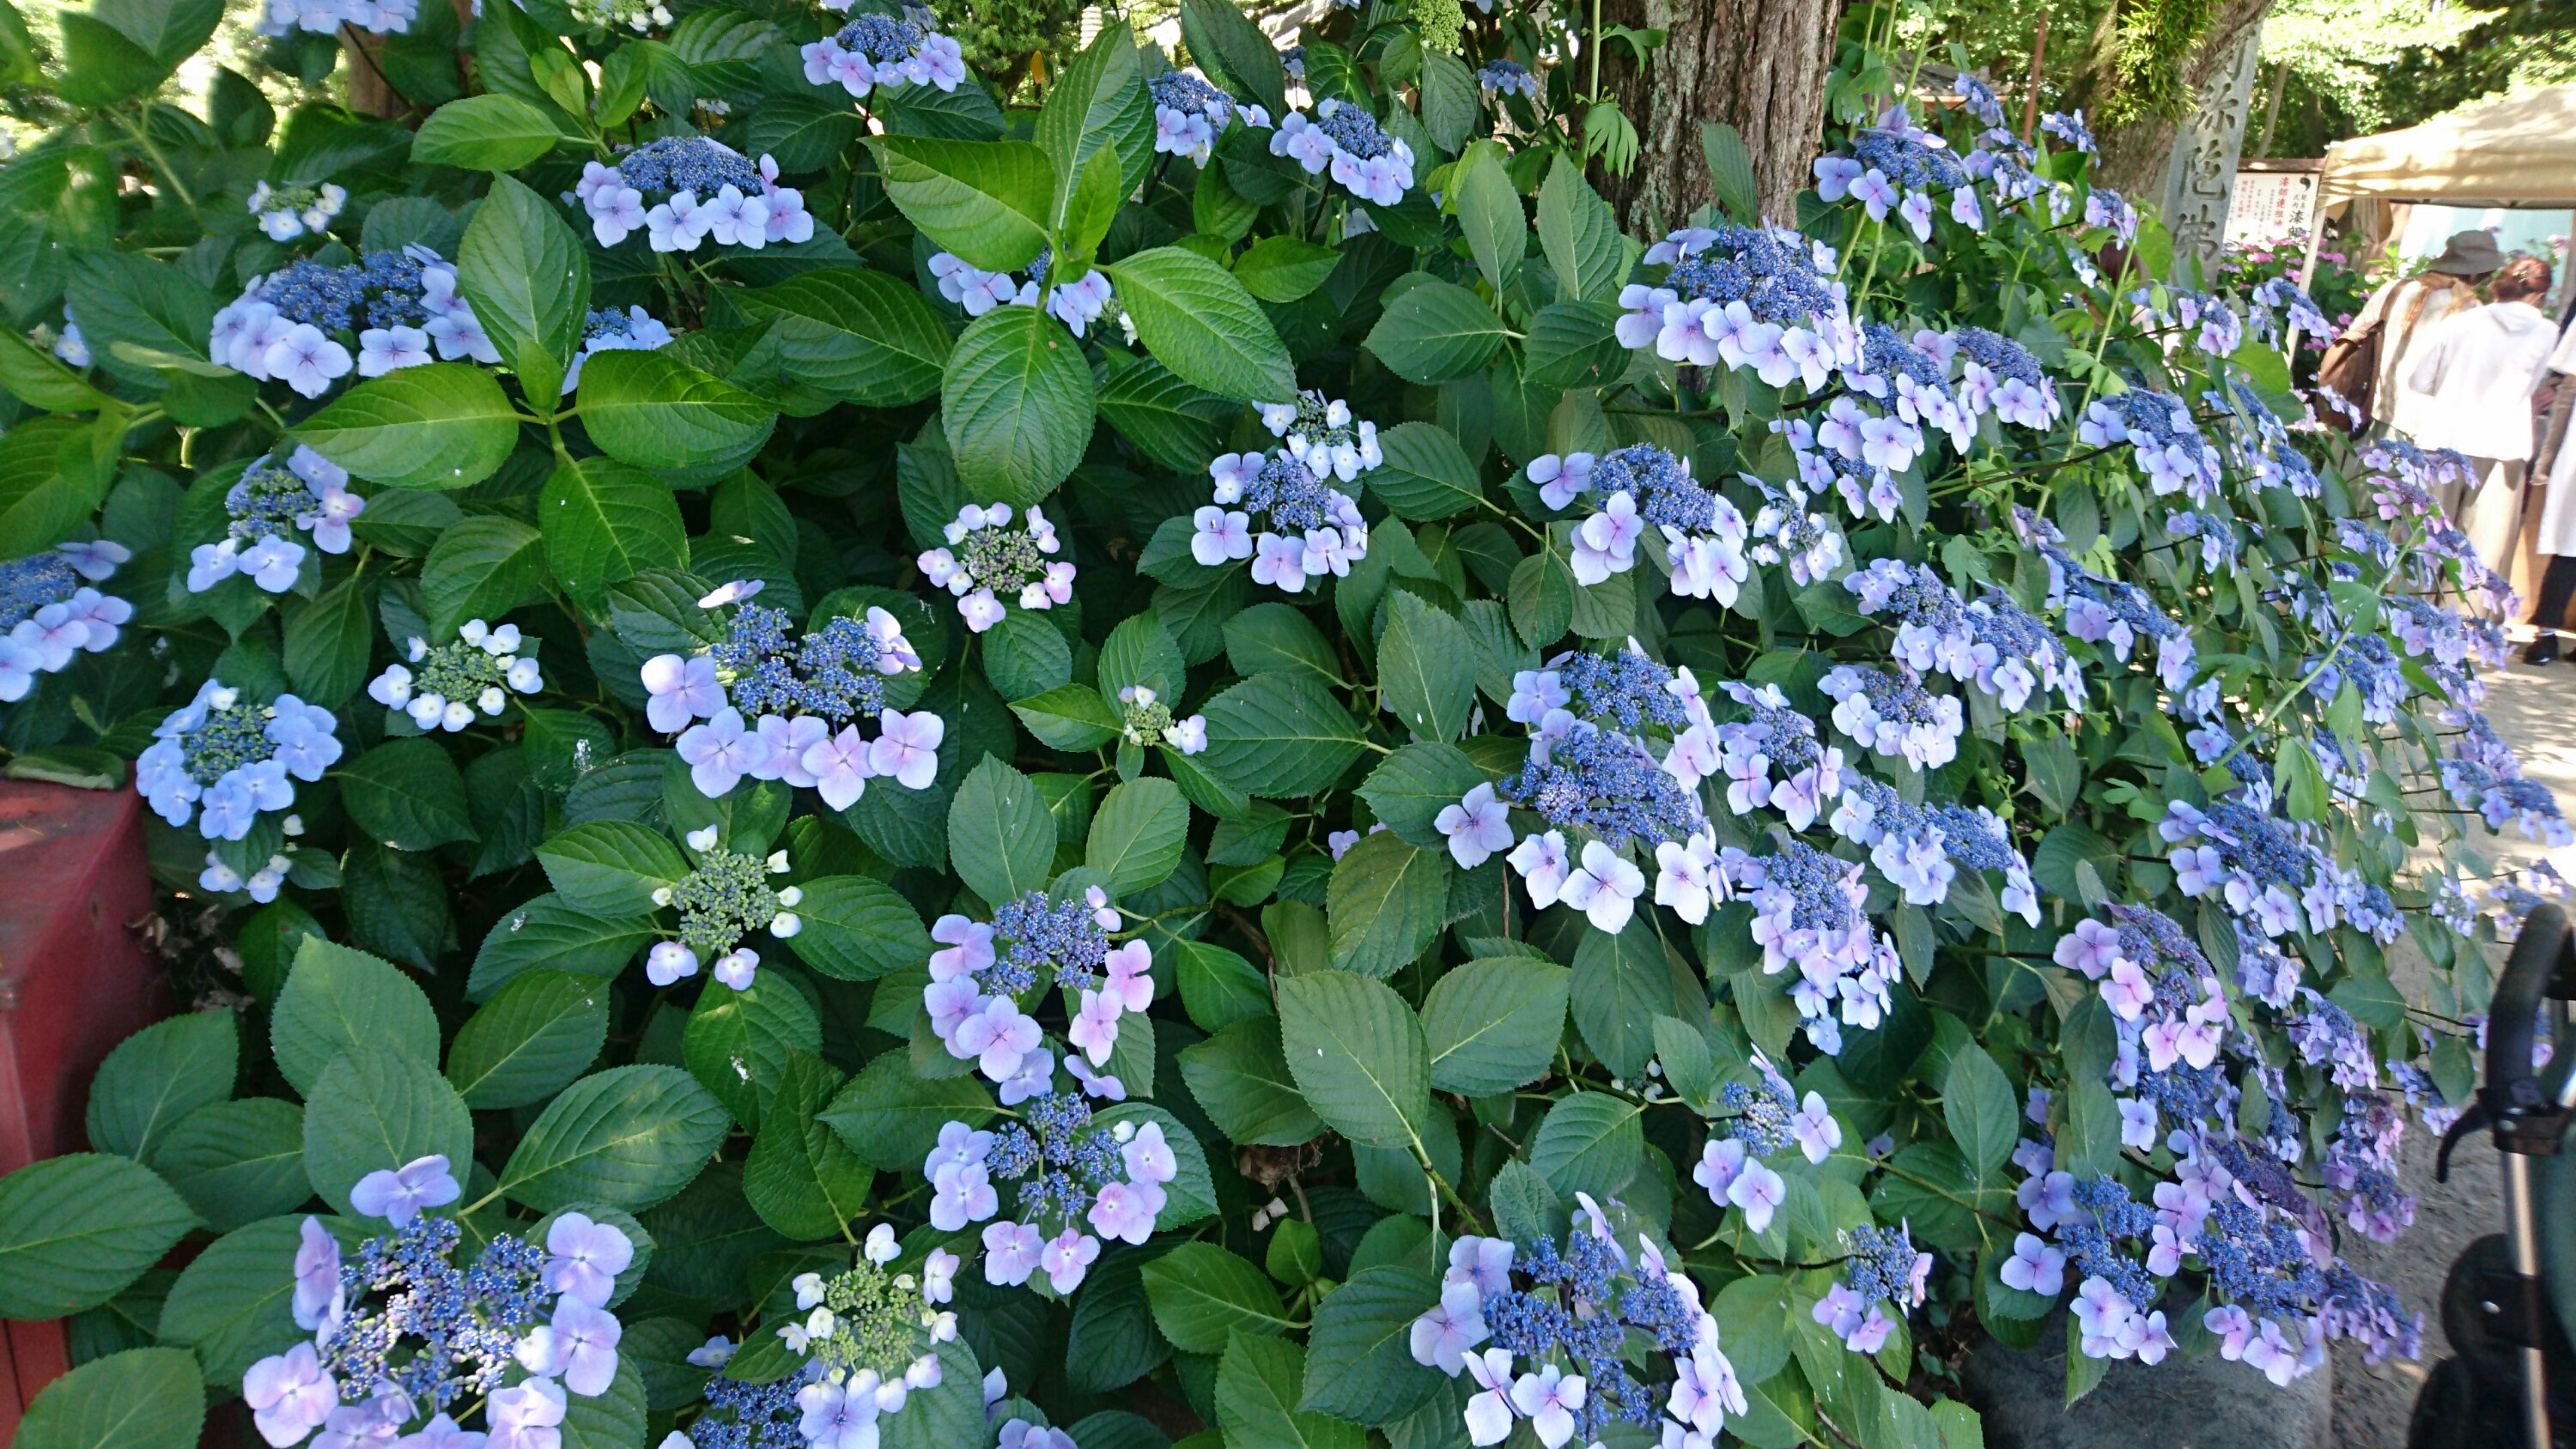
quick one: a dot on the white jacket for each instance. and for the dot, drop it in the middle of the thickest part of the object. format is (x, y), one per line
(2476, 370)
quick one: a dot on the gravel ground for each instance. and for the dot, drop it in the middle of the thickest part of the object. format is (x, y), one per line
(2535, 711)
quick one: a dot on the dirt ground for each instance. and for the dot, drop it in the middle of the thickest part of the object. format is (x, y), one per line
(2535, 710)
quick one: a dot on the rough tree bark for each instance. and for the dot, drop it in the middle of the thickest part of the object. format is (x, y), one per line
(1758, 65)
(2134, 152)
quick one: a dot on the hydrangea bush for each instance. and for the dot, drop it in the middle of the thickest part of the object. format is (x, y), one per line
(1200, 763)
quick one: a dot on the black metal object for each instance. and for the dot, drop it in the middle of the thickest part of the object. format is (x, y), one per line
(2524, 1122)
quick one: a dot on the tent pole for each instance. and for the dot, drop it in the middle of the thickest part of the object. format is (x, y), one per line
(2308, 266)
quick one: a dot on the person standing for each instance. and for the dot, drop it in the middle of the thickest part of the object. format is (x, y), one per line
(2403, 311)
(2473, 376)
(2556, 528)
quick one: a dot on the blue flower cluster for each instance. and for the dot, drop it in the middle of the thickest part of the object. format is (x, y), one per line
(49, 613)
(2162, 437)
(2000, 375)
(1569, 1315)
(1893, 715)
(223, 759)
(753, 1416)
(1895, 166)
(1743, 297)
(1507, 77)
(1032, 941)
(804, 694)
(1810, 910)
(1994, 643)
(1774, 758)
(1921, 849)
(1072, 1172)
(1376, 167)
(1606, 783)
(1884, 1268)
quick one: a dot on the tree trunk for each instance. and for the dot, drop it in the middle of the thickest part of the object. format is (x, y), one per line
(1758, 65)
(2134, 151)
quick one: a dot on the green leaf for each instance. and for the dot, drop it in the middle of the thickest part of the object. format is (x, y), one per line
(1359, 1359)
(855, 335)
(237, 1162)
(655, 411)
(1276, 639)
(1218, 988)
(1621, 984)
(338, 1000)
(1137, 835)
(530, 1040)
(232, 1305)
(1492, 1026)
(1448, 100)
(1409, 789)
(1977, 1103)
(1240, 1077)
(1200, 1293)
(1436, 331)
(158, 1076)
(484, 133)
(100, 65)
(548, 933)
(986, 201)
(1281, 736)
(482, 568)
(1171, 422)
(35, 378)
(1386, 904)
(1258, 1386)
(605, 522)
(1426, 474)
(374, 1110)
(143, 1398)
(1098, 101)
(1140, 651)
(629, 1137)
(1200, 322)
(1730, 171)
(1016, 404)
(951, 1414)
(801, 1178)
(1426, 669)
(1580, 236)
(407, 794)
(1070, 717)
(1285, 268)
(328, 642)
(441, 425)
(611, 1420)
(528, 278)
(857, 928)
(1575, 344)
(891, 1116)
(737, 1042)
(1001, 840)
(1590, 1142)
(611, 867)
(74, 1230)
(1358, 1055)
(1488, 207)
(1241, 59)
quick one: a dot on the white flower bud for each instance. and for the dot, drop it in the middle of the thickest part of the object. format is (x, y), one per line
(785, 924)
(293, 825)
(662, 895)
(778, 862)
(702, 838)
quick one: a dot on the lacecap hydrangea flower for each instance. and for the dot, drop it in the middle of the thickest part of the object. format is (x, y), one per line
(323, 17)
(288, 212)
(224, 759)
(405, 1340)
(1189, 114)
(608, 330)
(295, 325)
(877, 50)
(444, 684)
(265, 509)
(1374, 166)
(1555, 1338)
(50, 614)
(982, 971)
(683, 191)
(723, 900)
(987, 560)
(776, 705)
(1293, 523)
(870, 1338)
(1643, 487)
(1078, 1180)
(1896, 166)
(1076, 304)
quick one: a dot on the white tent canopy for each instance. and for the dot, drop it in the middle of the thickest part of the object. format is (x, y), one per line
(2519, 151)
